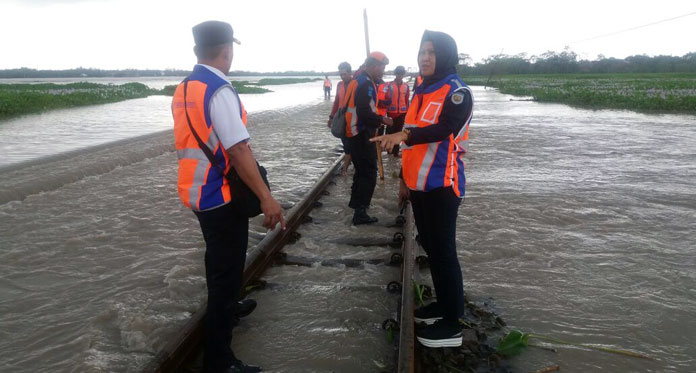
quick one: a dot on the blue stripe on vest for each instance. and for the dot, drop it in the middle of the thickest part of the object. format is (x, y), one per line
(212, 82)
(462, 177)
(436, 176)
(211, 192)
(362, 80)
(435, 86)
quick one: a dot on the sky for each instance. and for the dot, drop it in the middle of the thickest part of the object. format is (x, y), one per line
(317, 35)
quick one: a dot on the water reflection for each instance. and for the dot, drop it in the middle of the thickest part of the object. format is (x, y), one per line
(40, 135)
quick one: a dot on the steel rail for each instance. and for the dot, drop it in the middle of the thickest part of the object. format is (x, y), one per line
(183, 347)
(406, 357)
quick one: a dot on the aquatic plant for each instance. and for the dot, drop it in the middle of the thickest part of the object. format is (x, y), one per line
(239, 86)
(674, 92)
(419, 291)
(515, 342)
(18, 99)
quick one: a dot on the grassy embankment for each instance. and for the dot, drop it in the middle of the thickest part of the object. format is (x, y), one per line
(663, 93)
(19, 99)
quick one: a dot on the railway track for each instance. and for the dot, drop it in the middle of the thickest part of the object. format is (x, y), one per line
(182, 353)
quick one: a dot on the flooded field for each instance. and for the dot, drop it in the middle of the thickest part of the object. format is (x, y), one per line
(577, 224)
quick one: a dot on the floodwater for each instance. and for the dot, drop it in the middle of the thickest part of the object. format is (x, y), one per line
(579, 224)
(40, 135)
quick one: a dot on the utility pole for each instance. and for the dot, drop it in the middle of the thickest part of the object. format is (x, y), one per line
(367, 34)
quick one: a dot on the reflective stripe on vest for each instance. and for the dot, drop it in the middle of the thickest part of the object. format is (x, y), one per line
(437, 164)
(353, 125)
(327, 82)
(201, 186)
(398, 95)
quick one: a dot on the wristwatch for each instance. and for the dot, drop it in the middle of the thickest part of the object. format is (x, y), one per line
(407, 132)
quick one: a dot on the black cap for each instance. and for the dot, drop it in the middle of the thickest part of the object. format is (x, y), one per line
(400, 70)
(211, 33)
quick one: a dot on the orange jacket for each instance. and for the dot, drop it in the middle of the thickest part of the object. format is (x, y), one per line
(355, 124)
(419, 80)
(348, 101)
(201, 186)
(397, 97)
(436, 164)
(382, 101)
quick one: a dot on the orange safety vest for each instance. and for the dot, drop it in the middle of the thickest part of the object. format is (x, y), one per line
(201, 185)
(353, 125)
(382, 99)
(419, 80)
(398, 98)
(436, 164)
(327, 83)
(341, 89)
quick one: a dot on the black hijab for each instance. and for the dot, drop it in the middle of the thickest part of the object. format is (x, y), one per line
(446, 56)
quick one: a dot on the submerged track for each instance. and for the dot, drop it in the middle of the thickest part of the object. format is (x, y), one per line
(181, 353)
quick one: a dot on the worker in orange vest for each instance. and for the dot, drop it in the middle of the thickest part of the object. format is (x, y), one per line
(435, 136)
(361, 122)
(344, 71)
(210, 139)
(419, 80)
(382, 102)
(327, 88)
(397, 98)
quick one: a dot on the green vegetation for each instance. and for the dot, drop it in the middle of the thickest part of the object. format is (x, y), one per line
(516, 341)
(671, 92)
(239, 86)
(280, 81)
(567, 62)
(18, 99)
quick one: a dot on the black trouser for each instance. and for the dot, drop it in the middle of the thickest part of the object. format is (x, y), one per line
(226, 236)
(327, 93)
(344, 141)
(435, 213)
(396, 127)
(364, 157)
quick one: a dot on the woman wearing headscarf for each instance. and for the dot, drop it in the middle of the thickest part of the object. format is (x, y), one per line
(435, 134)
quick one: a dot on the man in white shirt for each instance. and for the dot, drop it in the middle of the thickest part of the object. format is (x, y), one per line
(207, 111)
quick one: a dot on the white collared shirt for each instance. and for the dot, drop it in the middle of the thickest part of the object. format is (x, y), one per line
(225, 115)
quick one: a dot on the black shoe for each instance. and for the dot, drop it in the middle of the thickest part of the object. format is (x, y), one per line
(239, 367)
(242, 309)
(360, 217)
(440, 334)
(428, 314)
(245, 307)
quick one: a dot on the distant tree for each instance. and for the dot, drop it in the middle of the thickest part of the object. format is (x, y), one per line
(464, 59)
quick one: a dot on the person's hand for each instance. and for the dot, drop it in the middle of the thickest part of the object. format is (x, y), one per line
(273, 213)
(328, 123)
(388, 121)
(389, 141)
(403, 192)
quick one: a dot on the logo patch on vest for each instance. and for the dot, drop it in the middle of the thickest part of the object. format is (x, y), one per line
(457, 98)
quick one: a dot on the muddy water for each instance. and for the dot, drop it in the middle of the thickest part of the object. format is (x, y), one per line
(579, 224)
(102, 265)
(328, 318)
